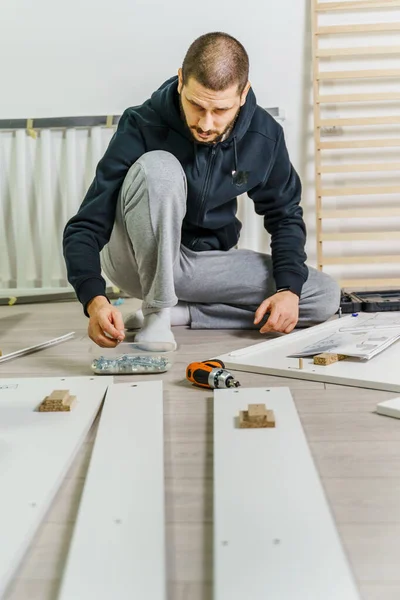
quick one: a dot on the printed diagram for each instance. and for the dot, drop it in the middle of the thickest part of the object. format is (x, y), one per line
(365, 339)
(387, 320)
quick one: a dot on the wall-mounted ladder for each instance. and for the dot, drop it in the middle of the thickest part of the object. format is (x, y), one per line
(375, 208)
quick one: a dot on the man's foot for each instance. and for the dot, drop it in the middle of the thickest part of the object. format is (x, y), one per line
(134, 320)
(156, 330)
(180, 316)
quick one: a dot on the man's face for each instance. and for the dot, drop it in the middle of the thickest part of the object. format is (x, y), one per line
(209, 114)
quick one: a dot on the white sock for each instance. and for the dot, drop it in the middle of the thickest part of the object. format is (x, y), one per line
(180, 316)
(134, 320)
(157, 328)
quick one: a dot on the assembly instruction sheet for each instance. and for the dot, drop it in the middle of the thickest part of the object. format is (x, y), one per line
(363, 338)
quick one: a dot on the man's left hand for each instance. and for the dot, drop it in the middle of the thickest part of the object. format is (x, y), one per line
(284, 312)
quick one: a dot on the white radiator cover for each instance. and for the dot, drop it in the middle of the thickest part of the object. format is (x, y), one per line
(42, 184)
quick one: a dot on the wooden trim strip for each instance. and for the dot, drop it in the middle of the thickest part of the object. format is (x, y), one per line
(360, 236)
(361, 213)
(362, 28)
(360, 5)
(361, 260)
(357, 51)
(360, 168)
(388, 143)
(364, 74)
(361, 191)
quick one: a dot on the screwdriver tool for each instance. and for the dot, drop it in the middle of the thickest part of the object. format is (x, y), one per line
(210, 374)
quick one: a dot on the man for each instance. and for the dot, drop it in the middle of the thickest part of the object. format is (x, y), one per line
(161, 211)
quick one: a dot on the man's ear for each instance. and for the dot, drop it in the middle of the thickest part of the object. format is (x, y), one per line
(244, 93)
(180, 81)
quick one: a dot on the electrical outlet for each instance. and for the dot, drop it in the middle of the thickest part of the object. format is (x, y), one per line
(331, 130)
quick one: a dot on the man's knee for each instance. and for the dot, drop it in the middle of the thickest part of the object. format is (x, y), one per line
(159, 171)
(327, 298)
(160, 163)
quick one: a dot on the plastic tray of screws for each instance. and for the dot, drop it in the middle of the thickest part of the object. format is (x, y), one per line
(129, 358)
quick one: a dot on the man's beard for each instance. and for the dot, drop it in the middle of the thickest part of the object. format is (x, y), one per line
(219, 137)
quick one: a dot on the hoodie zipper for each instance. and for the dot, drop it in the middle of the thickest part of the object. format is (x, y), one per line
(206, 182)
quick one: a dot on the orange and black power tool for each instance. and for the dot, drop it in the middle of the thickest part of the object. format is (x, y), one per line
(210, 374)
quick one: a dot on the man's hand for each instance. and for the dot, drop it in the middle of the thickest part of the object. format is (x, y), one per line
(284, 312)
(105, 319)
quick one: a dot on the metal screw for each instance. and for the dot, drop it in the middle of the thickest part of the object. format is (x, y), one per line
(131, 364)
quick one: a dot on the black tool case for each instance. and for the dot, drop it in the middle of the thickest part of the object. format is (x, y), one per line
(378, 301)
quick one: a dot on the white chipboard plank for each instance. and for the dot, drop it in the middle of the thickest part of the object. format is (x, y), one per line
(389, 408)
(272, 358)
(118, 546)
(36, 451)
(274, 535)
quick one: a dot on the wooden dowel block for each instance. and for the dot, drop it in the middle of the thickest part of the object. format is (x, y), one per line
(70, 403)
(257, 413)
(257, 416)
(327, 358)
(59, 395)
(58, 401)
(270, 418)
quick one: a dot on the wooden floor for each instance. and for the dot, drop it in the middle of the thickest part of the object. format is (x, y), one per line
(357, 454)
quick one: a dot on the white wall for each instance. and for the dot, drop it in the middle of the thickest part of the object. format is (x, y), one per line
(81, 58)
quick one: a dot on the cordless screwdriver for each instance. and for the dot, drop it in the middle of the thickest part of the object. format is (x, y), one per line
(210, 374)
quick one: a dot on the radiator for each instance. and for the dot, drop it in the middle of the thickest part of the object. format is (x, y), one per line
(42, 183)
(46, 166)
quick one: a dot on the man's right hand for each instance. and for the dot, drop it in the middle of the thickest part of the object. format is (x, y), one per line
(105, 319)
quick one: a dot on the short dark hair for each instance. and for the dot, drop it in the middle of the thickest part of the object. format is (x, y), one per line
(217, 61)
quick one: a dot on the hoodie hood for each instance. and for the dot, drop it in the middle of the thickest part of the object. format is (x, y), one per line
(165, 101)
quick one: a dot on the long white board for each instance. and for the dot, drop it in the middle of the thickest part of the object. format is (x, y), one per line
(36, 450)
(118, 546)
(274, 536)
(272, 358)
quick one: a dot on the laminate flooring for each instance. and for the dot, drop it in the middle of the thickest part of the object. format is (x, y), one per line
(357, 454)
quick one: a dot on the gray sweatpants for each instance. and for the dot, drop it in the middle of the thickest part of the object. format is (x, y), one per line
(145, 258)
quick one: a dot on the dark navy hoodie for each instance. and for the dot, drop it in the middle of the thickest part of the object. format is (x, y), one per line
(254, 151)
